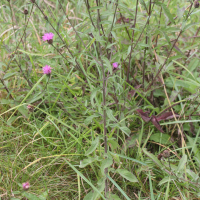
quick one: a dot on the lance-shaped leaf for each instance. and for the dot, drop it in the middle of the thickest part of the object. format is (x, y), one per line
(156, 123)
(167, 115)
(144, 115)
(132, 92)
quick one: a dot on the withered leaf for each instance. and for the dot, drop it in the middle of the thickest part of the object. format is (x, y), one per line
(167, 115)
(144, 115)
(156, 123)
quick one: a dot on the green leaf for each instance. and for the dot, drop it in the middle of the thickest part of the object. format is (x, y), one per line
(127, 175)
(93, 95)
(43, 196)
(84, 178)
(118, 187)
(89, 119)
(110, 115)
(160, 138)
(92, 195)
(164, 180)
(30, 196)
(106, 163)
(182, 163)
(167, 12)
(87, 161)
(113, 197)
(107, 62)
(154, 158)
(94, 145)
(89, 196)
(126, 130)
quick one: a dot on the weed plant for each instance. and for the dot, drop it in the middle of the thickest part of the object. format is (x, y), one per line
(99, 99)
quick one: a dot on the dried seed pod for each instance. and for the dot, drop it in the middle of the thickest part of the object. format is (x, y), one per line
(160, 156)
(166, 154)
(25, 11)
(196, 4)
(33, 1)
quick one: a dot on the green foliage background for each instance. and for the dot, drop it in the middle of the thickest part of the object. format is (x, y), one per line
(58, 142)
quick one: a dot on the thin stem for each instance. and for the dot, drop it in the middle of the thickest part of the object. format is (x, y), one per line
(88, 9)
(136, 41)
(2, 81)
(12, 20)
(77, 65)
(145, 50)
(77, 33)
(21, 37)
(133, 33)
(112, 23)
(99, 18)
(29, 83)
(168, 53)
(104, 110)
(124, 23)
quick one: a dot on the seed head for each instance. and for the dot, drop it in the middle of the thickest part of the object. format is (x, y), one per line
(160, 156)
(33, 1)
(166, 154)
(25, 11)
(196, 4)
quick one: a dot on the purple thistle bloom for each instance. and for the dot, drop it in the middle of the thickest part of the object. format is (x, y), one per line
(26, 185)
(47, 36)
(46, 69)
(115, 65)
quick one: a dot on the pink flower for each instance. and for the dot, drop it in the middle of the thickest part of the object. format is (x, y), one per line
(26, 185)
(46, 69)
(115, 65)
(48, 37)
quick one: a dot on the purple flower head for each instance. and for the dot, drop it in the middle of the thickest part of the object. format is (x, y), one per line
(115, 65)
(46, 69)
(26, 185)
(48, 37)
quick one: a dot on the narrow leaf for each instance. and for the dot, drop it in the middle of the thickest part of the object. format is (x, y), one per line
(144, 115)
(85, 162)
(166, 116)
(126, 130)
(94, 145)
(106, 163)
(182, 163)
(110, 115)
(127, 175)
(156, 123)
(154, 158)
(167, 12)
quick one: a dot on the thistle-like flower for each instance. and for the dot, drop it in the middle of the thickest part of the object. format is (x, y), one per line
(48, 37)
(26, 186)
(46, 69)
(115, 65)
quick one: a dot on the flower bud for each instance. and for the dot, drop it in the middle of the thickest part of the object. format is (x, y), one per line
(50, 41)
(26, 186)
(115, 65)
(25, 11)
(166, 154)
(196, 4)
